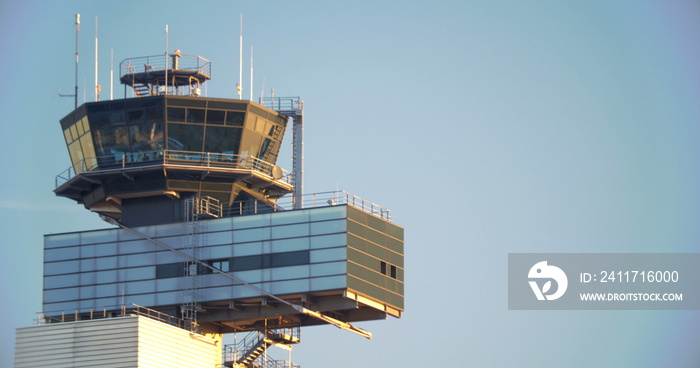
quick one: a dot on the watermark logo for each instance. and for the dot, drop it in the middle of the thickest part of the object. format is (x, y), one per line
(542, 270)
(603, 281)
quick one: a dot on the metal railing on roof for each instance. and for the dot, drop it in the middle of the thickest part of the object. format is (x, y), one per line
(314, 200)
(282, 103)
(164, 317)
(156, 63)
(111, 312)
(124, 160)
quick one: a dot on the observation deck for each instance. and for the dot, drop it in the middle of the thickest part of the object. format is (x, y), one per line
(165, 74)
(123, 167)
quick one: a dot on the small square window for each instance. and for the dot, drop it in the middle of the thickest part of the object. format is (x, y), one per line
(222, 265)
(393, 272)
(382, 267)
(191, 269)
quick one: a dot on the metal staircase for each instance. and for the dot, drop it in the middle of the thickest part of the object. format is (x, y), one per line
(248, 353)
(142, 90)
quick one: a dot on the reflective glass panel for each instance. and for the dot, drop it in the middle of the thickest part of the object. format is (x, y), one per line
(146, 140)
(235, 118)
(154, 115)
(74, 132)
(76, 156)
(88, 152)
(195, 116)
(216, 117)
(222, 139)
(111, 144)
(227, 105)
(84, 122)
(176, 114)
(185, 137)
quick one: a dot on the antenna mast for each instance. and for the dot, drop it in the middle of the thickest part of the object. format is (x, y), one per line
(111, 74)
(251, 73)
(97, 84)
(240, 60)
(77, 29)
(166, 59)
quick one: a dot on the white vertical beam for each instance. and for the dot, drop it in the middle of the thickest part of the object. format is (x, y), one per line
(111, 74)
(77, 30)
(251, 73)
(97, 92)
(166, 59)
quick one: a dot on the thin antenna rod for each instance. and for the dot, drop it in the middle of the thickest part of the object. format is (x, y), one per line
(251, 73)
(111, 74)
(166, 59)
(262, 91)
(77, 29)
(97, 84)
(240, 60)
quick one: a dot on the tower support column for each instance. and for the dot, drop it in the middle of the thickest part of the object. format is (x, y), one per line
(298, 161)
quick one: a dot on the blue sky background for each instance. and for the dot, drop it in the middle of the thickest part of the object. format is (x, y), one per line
(487, 127)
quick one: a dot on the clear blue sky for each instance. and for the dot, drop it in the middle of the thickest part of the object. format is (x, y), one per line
(487, 127)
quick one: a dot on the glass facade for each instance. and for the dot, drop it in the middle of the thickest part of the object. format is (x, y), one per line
(158, 130)
(198, 125)
(139, 129)
(310, 251)
(80, 145)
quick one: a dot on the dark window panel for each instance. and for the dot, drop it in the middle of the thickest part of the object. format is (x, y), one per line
(235, 118)
(222, 139)
(246, 263)
(187, 102)
(195, 116)
(289, 259)
(185, 137)
(216, 117)
(270, 260)
(227, 105)
(169, 270)
(176, 114)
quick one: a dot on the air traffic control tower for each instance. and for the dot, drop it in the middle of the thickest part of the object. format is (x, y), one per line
(209, 236)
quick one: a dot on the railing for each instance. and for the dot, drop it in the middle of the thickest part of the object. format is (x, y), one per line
(269, 363)
(282, 103)
(322, 199)
(122, 160)
(234, 352)
(207, 207)
(225, 160)
(80, 314)
(146, 64)
(163, 317)
(109, 312)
